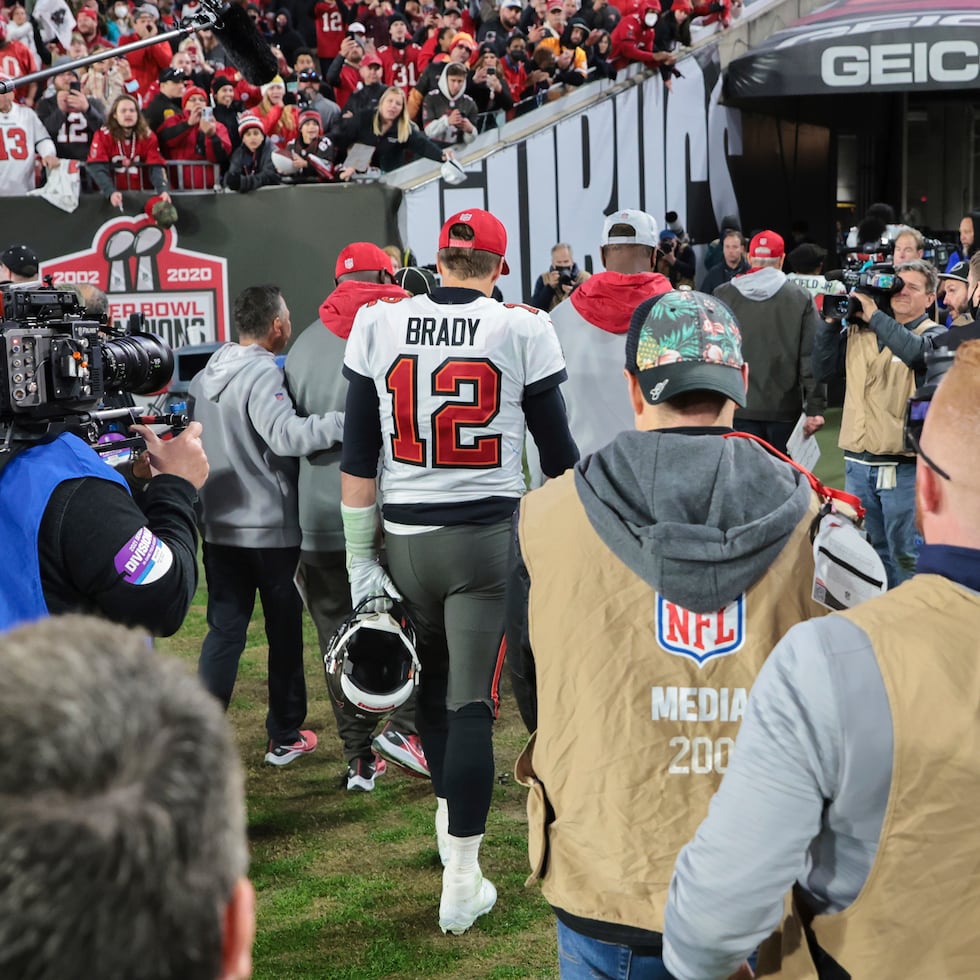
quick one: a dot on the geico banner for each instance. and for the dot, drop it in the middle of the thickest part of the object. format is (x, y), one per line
(558, 185)
(182, 294)
(856, 46)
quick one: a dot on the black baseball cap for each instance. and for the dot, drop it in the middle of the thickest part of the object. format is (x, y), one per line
(21, 260)
(172, 75)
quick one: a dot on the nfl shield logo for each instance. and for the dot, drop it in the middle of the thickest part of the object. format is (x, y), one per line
(700, 636)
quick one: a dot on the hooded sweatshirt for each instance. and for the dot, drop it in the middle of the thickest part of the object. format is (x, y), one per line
(253, 436)
(778, 322)
(702, 549)
(436, 109)
(591, 325)
(316, 382)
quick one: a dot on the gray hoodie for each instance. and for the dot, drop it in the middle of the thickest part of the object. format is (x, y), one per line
(253, 438)
(697, 516)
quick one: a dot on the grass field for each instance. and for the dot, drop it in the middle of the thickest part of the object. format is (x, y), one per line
(348, 883)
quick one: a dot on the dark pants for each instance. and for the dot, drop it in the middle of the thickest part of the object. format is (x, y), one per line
(328, 600)
(775, 433)
(234, 575)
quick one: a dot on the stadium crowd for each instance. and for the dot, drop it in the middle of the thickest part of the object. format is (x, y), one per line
(393, 81)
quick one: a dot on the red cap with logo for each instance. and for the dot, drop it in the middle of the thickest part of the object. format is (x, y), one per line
(767, 245)
(362, 257)
(489, 235)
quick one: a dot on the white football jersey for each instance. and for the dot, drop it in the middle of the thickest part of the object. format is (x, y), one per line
(22, 136)
(450, 382)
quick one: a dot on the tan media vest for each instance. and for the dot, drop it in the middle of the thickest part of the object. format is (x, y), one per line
(918, 914)
(878, 386)
(618, 779)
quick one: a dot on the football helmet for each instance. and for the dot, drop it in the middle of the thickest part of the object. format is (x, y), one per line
(371, 665)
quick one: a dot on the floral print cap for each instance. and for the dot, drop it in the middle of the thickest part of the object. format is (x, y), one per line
(685, 341)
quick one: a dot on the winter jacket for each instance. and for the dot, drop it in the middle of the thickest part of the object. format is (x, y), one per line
(250, 171)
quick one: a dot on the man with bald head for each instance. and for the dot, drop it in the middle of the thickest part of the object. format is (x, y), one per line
(856, 766)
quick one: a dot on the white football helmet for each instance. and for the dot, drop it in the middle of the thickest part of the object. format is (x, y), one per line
(371, 665)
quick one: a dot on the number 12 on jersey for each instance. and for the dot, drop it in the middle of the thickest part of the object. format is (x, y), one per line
(449, 419)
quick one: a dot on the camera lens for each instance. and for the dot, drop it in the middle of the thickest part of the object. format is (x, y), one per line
(138, 363)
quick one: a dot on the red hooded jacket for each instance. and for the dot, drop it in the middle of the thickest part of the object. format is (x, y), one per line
(607, 299)
(632, 40)
(338, 310)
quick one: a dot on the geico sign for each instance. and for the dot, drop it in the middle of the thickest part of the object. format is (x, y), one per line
(850, 65)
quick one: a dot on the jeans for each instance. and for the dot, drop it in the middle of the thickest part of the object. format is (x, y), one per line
(234, 575)
(583, 958)
(890, 517)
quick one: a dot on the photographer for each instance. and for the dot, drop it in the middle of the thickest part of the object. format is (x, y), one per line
(676, 260)
(194, 134)
(71, 118)
(77, 539)
(557, 283)
(883, 358)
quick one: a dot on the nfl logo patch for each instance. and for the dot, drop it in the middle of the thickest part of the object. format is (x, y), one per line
(348, 263)
(700, 636)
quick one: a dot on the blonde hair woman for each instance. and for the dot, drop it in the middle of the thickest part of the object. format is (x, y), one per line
(393, 134)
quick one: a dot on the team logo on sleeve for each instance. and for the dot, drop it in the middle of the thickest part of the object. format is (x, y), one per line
(700, 636)
(143, 559)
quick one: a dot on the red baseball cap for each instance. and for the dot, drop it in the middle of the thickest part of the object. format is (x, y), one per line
(489, 235)
(362, 257)
(767, 245)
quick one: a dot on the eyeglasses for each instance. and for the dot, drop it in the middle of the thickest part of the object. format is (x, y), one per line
(938, 470)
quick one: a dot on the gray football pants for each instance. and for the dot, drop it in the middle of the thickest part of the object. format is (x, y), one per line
(453, 581)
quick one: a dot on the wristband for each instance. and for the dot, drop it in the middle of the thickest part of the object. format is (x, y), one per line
(362, 531)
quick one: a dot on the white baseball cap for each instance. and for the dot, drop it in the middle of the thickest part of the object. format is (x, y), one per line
(644, 227)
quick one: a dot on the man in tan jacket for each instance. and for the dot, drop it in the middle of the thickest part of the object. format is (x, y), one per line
(856, 774)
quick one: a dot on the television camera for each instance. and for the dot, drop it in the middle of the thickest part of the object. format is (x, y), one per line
(62, 371)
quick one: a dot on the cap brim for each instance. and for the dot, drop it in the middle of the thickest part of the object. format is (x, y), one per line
(691, 376)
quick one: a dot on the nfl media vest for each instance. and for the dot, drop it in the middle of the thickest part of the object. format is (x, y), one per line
(632, 743)
(918, 914)
(878, 386)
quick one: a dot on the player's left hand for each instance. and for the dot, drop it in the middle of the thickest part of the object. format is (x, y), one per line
(368, 578)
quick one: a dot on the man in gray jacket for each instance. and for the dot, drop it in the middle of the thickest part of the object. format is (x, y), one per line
(778, 321)
(316, 382)
(249, 511)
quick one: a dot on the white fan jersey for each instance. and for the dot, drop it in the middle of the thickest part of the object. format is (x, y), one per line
(22, 136)
(450, 380)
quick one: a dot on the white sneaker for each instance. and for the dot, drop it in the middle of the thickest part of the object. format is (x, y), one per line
(464, 899)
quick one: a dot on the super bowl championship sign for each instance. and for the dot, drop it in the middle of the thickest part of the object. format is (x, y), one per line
(182, 294)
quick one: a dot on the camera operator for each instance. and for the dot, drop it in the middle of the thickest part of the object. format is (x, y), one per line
(883, 358)
(78, 539)
(557, 283)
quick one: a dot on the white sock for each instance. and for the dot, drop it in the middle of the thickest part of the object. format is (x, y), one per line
(464, 855)
(442, 827)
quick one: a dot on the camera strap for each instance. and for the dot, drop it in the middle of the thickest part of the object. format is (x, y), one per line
(846, 568)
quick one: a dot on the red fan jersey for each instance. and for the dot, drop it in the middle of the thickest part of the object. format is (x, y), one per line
(129, 158)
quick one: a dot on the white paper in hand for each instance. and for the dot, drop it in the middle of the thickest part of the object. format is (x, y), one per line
(802, 449)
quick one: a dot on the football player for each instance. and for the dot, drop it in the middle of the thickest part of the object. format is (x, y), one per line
(441, 387)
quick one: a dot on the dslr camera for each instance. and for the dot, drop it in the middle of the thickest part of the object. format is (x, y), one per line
(57, 365)
(565, 276)
(938, 362)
